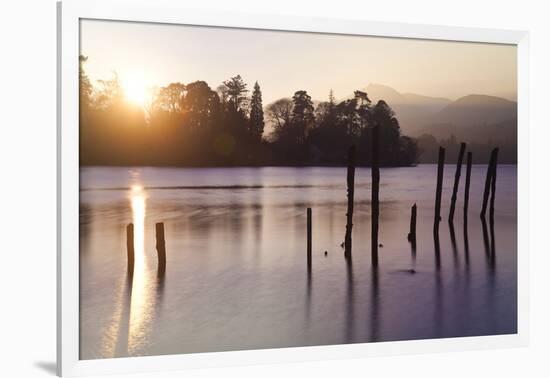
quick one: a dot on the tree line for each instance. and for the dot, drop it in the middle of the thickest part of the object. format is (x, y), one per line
(194, 125)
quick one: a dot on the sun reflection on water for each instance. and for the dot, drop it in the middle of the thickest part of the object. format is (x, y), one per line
(142, 297)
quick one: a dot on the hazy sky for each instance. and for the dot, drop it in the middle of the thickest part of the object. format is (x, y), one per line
(283, 62)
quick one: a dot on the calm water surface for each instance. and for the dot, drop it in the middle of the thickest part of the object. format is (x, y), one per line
(236, 275)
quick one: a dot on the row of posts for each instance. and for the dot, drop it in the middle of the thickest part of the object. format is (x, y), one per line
(375, 202)
(488, 200)
(488, 197)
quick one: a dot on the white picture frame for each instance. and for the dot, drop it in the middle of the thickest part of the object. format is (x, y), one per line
(69, 14)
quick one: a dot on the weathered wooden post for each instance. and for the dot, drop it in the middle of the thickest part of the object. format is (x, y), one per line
(467, 186)
(412, 230)
(453, 241)
(161, 246)
(488, 179)
(375, 170)
(130, 246)
(493, 187)
(440, 166)
(351, 190)
(457, 180)
(309, 238)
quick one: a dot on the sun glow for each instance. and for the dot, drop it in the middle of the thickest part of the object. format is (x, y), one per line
(136, 89)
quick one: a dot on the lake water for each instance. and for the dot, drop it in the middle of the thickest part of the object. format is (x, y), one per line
(236, 275)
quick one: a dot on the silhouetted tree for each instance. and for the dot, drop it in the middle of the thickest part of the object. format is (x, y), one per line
(394, 149)
(200, 105)
(223, 95)
(331, 99)
(363, 109)
(236, 91)
(170, 98)
(383, 116)
(109, 93)
(85, 87)
(347, 117)
(256, 113)
(302, 115)
(279, 113)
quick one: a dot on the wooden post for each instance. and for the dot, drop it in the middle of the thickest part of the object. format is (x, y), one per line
(412, 231)
(375, 170)
(309, 238)
(130, 246)
(467, 186)
(161, 246)
(351, 190)
(493, 187)
(488, 179)
(457, 181)
(437, 215)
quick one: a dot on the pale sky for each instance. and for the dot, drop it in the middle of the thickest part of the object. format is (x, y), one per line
(283, 62)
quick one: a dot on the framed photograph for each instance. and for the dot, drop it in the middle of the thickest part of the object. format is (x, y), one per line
(249, 188)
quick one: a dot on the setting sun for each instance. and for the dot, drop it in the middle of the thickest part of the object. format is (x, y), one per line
(136, 89)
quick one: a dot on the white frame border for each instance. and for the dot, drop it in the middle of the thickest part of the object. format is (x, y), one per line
(165, 11)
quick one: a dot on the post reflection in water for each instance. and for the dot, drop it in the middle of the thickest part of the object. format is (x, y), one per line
(308, 299)
(493, 251)
(375, 307)
(437, 251)
(490, 252)
(489, 243)
(453, 243)
(466, 244)
(350, 301)
(413, 253)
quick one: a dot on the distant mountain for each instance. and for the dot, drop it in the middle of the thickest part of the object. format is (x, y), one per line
(471, 118)
(416, 112)
(481, 121)
(475, 110)
(408, 107)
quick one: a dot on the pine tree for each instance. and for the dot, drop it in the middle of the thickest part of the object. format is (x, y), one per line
(236, 90)
(302, 115)
(331, 100)
(256, 113)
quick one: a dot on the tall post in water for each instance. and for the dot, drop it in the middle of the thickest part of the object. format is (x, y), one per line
(130, 246)
(437, 215)
(493, 187)
(412, 230)
(457, 181)
(374, 196)
(351, 190)
(309, 238)
(467, 186)
(488, 179)
(161, 246)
